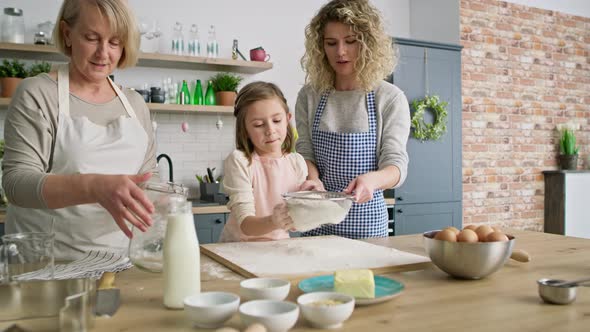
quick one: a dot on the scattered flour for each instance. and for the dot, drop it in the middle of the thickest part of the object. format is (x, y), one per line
(308, 214)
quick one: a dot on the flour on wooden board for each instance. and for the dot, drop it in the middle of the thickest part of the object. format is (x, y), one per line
(311, 255)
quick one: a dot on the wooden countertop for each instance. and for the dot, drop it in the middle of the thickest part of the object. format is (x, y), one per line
(431, 301)
(208, 209)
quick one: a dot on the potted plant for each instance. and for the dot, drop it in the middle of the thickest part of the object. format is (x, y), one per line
(568, 158)
(225, 86)
(11, 74)
(38, 68)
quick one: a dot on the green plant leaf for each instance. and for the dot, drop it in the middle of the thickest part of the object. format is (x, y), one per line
(226, 82)
(38, 68)
(567, 143)
(13, 68)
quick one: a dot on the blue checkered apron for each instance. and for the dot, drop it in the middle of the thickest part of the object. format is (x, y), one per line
(341, 157)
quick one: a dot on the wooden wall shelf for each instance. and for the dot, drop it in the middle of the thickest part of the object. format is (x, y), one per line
(194, 109)
(169, 108)
(160, 60)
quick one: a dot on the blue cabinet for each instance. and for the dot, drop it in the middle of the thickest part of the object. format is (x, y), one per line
(431, 196)
(209, 226)
(419, 218)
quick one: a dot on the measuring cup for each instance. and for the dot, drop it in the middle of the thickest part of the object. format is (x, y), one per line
(557, 291)
(21, 253)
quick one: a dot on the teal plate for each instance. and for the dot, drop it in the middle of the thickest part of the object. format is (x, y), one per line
(385, 288)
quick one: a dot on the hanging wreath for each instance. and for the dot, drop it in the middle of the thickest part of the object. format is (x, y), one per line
(429, 131)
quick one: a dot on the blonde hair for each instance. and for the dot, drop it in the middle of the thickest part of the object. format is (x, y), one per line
(247, 96)
(121, 20)
(377, 58)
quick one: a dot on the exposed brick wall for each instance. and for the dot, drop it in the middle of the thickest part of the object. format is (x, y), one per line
(525, 70)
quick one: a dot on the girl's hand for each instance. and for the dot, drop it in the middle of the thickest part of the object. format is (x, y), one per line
(280, 217)
(124, 200)
(314, 185)
(363, 187)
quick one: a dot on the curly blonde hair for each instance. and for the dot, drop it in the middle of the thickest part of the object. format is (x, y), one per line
(377, 57)
(248, 95)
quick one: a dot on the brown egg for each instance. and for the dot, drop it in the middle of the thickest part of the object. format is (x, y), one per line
(467, 235)
(454, 229)
(496, 237)
(483, 231)
(226, 329)
(446, 235)
(471, 227)
(496, 229)
(256, 327)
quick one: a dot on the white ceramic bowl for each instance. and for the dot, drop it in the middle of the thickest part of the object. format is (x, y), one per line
(210, 309)
(326, 310)
(276, 316)
(264, 289)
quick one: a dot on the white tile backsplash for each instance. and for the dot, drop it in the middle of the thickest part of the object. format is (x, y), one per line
(192, 152)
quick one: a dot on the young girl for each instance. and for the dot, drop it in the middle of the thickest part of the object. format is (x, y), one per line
(262, 167)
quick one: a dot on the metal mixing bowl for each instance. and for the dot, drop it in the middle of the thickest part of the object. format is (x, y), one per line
(556, 294)
(467, 260)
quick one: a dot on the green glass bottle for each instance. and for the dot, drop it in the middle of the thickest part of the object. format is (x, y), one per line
(185, 94)
(198, 97)
(210, 95)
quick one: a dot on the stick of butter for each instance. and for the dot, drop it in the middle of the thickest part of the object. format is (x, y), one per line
(357, 283)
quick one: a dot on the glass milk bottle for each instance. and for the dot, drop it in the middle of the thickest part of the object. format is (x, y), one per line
(182, 273)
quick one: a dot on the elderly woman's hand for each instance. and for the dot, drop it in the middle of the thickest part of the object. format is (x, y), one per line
(124, 200)
(363, 187)
(314, 185)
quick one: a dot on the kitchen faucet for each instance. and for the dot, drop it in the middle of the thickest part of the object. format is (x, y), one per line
(170, 172)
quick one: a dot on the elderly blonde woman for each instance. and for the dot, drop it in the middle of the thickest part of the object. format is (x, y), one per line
(353, 126)
(76, 144)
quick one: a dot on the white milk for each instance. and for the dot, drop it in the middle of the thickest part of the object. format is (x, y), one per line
(182, 273)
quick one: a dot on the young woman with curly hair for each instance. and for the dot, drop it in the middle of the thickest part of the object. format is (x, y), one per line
(353, 126)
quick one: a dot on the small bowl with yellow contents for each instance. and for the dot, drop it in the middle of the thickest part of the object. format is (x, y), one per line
(472, 253)
(326, 310)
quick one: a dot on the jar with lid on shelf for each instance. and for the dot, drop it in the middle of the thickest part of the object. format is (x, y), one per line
(13, 25)
(146, 248)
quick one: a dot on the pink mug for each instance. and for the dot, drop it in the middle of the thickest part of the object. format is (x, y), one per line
(259, 54)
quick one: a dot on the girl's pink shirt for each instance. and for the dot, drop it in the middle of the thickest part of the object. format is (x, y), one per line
(270, 178)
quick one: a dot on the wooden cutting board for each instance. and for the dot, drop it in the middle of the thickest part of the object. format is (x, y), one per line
(307, 256)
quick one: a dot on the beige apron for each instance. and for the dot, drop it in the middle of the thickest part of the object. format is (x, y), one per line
(84, 147)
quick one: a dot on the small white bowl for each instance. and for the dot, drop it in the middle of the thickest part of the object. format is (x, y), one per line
(264, 289)
(210, 309)
(326, 315)
(276, 316)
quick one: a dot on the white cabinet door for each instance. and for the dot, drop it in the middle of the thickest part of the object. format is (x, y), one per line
(577, 205)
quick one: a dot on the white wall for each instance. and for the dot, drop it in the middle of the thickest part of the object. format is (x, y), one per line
(435, 20)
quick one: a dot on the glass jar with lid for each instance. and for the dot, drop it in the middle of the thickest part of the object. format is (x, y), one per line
(13, 25)
(146, 248)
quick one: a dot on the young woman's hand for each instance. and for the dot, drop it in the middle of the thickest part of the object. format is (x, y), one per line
(363, 187)
(280, 217)
(314, 185)
(124, 200)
